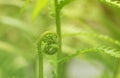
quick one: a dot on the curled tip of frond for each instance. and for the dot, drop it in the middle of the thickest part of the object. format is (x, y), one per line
(48, 43)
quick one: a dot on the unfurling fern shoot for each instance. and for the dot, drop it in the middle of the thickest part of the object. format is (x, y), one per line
(48, 44)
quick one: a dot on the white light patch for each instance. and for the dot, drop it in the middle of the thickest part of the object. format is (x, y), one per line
(82, 69)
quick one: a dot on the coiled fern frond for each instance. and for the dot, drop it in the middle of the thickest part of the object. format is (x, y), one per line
(48, 43)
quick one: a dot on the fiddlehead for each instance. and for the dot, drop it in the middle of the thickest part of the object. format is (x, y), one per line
(48, 43)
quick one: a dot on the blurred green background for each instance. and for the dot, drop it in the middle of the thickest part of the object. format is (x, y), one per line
(19, 34)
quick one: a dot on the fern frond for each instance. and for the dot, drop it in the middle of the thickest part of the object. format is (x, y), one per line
(62, 3)
(100, 49)
(38, 7)
(112, 3)
(98, 36)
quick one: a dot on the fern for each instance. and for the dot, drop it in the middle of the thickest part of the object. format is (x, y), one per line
(47, 44)
(115, 3)
(62, 3)
(39, 6)
(111, 51)
(50, 44)
(99, 36)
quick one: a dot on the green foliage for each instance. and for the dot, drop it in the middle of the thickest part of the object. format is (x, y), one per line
(96, 36)
(19, 35)
(17, 24)
(63, 3)
(9, 54)
(115, 3)
(39, 5)
(25, 5)
(111, 51)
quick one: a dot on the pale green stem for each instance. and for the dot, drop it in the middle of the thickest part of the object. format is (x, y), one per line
(40, 57)
(58, 30)
(116, 72)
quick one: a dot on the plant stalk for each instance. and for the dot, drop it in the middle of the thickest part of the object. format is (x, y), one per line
(58, 30)
(116, 71)
(40, 57)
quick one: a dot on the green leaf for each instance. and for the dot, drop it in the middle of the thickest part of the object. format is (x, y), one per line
(39, 6)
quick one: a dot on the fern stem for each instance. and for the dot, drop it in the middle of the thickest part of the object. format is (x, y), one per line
(40, 57)
(58, 30)
(116, 71)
